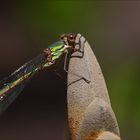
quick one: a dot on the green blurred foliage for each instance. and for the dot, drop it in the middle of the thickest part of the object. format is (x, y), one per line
(62, 15)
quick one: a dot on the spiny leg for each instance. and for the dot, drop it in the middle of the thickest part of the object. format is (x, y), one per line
(65, 65)
(58, 74)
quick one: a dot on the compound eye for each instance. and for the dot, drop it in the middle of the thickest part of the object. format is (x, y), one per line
(71, 37)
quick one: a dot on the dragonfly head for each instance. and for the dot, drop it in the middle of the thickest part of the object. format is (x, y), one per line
(69, 40)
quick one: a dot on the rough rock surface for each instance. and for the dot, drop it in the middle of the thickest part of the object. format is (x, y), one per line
(89, 108)
(108, 136)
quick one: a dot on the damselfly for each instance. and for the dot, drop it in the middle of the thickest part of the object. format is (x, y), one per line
(11, 86)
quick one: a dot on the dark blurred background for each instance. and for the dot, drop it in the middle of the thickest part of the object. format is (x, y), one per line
(113, 30)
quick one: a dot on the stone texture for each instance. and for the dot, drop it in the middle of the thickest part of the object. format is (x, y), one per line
(89, 107)
(108, 136)
(98, 117)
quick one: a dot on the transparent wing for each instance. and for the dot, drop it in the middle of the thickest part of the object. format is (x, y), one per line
(11, 86)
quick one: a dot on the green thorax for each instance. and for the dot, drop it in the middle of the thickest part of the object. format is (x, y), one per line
(57, 49)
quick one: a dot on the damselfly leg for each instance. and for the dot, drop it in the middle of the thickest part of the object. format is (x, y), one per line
(12, 86)
(65, 69)
(78, 46)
